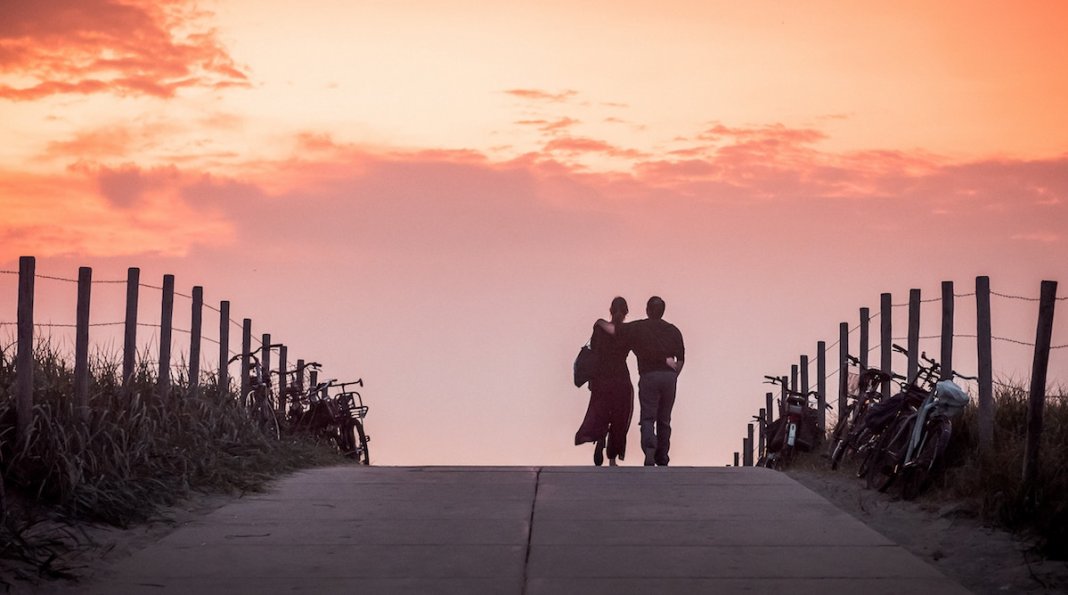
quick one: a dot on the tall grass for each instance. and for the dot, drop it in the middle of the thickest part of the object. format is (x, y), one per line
(134, 451)
(993, 481)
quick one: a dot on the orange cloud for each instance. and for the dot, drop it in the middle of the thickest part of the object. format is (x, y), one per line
(103, 212)
(140, 47)
(539, 95)
(363, 201)
(550, 126)
(578, 145)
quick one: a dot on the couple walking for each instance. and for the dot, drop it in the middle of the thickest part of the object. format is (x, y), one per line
(660, 352)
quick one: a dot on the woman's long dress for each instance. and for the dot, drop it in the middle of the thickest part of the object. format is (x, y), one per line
(611, 396)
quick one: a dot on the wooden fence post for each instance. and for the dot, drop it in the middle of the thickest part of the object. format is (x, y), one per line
(770, 406)
(1037, 398)
(166, 319)
(782, 395)
(985, 364)
(865, 337)
(313, 379)
(821, 382)
(224, 347)
(804, 373)
(265, 358)
(736, 458)
(24, 357)
(761, 432)
(300, 376)
(195, 326)
(886, 339)
(129, 346)
(282, 380)
(843, 365)
(914, 333)
(749, 446)
(946, 357)
(246, 364)
(81, 343)
(793, 377)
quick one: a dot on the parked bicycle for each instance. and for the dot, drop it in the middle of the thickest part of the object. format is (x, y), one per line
(338, 418)
(914, 441)
(795, 429)
(259, 399)
(850, 433)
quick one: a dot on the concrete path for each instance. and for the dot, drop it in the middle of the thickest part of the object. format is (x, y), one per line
(526, 530)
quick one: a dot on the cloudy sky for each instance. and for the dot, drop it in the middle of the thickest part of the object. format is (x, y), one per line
(441, 197)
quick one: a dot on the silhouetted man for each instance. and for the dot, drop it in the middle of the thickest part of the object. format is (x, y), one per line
(660, 351)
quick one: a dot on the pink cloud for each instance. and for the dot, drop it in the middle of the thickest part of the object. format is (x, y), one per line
(96, 46)
(449, 200)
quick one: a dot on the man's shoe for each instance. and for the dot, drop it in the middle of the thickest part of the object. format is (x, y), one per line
(649, 460)
(598, 453)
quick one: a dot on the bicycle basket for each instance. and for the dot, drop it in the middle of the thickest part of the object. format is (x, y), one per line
(348, 403)
(853, 384)
(879, 414)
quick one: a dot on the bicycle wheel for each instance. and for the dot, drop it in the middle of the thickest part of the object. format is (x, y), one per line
(264, 416)
(917, 477)
(786, 455)
(841, 430)
(345, 438)
(363, 455)
(889, 454)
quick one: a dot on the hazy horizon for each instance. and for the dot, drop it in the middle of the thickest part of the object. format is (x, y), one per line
(442, 198)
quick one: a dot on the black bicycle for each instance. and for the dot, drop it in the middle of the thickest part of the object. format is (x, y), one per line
(259, 400)
(337, 419)
(795, 429)
(914, 441)
(850, 433)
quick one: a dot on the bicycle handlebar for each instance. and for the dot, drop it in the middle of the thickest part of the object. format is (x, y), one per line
(959, 375)
(772, 380)
(250, 355)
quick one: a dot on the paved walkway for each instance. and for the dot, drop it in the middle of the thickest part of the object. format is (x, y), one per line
(549, 530)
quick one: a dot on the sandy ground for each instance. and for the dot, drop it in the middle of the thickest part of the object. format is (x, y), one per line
(93, 547)
(985, 560)
(944, 534)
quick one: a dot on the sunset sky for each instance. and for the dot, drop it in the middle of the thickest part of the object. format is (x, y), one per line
(441, 197)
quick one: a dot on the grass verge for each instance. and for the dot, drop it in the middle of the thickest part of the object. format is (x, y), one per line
(130, 453)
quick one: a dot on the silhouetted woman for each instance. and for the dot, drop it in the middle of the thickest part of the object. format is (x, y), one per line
(611, 393)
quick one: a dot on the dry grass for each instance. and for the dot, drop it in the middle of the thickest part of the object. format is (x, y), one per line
(135, 452)
(993, 481)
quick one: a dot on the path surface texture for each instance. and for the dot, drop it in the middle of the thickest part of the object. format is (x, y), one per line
(515, 530)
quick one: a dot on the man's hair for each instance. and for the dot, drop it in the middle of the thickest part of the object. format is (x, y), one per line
(654, 308)
(619, 306)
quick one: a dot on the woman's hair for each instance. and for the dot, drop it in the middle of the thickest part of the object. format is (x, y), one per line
(619, 307)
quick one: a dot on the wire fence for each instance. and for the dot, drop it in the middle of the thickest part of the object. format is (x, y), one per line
(134, 285)
(797, 380)
(50, 325)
